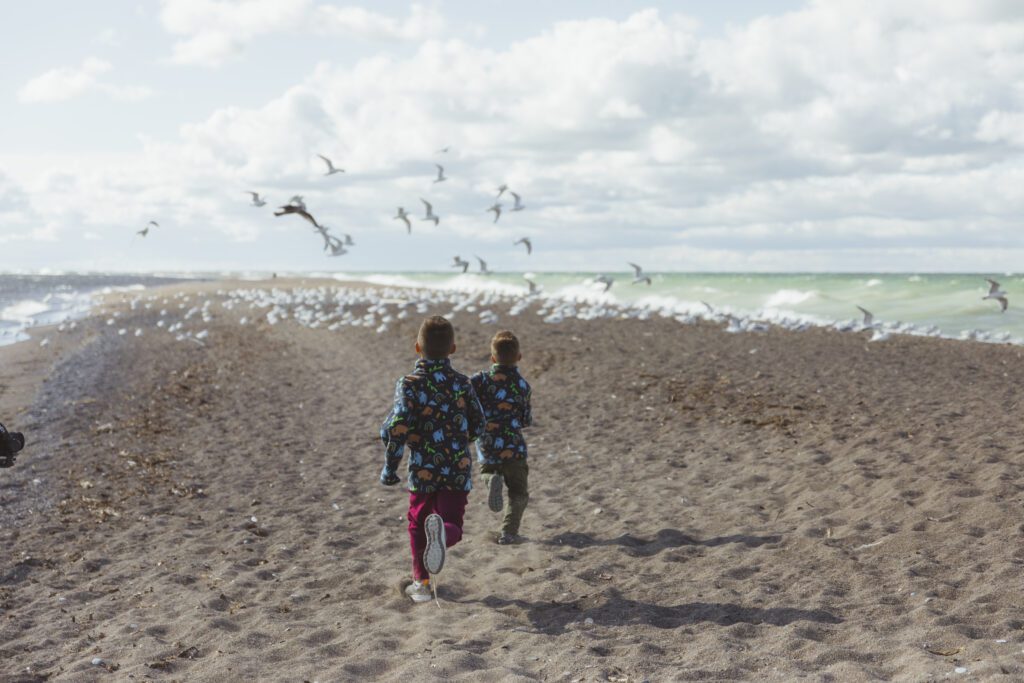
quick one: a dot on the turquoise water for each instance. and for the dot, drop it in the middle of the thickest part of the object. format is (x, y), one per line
(951, 302)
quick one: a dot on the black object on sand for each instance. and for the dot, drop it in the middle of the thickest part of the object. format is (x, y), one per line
(10, 444)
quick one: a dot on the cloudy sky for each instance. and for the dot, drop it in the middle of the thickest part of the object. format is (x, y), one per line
(768, 135)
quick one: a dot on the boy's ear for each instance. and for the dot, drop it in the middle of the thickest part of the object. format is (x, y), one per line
(419, 351)
(493, 359)
(519, 356)
(452, 350)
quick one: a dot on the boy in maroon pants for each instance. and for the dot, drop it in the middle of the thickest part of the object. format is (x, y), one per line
(436, 414)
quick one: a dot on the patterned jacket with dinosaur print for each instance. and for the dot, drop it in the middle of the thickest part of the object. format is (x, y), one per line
(505, 397)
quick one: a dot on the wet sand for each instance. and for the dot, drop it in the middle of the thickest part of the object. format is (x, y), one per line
(705, 506)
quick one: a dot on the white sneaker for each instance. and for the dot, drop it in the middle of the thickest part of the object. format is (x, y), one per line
(494, 501)
(419, 591)
(433, 554)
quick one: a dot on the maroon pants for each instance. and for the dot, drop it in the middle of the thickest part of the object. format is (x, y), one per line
(451, 505)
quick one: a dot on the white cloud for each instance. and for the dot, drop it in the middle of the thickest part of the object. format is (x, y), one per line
(213, 31)
(857, 133)
(422, 23)
(65, 83)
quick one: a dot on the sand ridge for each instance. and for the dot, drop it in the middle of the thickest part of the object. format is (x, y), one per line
(704, 506)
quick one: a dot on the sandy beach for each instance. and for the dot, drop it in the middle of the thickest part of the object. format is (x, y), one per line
(704, 506)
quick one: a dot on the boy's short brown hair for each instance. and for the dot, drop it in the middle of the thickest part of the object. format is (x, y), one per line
(436, 337)
(505, 348)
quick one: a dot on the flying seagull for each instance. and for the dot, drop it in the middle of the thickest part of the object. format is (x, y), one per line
(430, 212)
(256, 200)
(501, 190)
(299, 210)
(995, 293)
(443, 150)
(639, 276)
(606, 281)
(532, 285)
(331, 170)
(297, 200)
(337, 248)
(497, 211)
(519, 201)
(145, 230)
(869, 319)
(405, 217)
(440, 174)
(459, 263)
(483, 266)
(348, 241)
(527, 242)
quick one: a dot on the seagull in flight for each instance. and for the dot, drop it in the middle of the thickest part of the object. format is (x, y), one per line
(443, 150)
(348, 241)
(297, 200)
(405, 217)
(527, 242)
(497, 211)
(430, 212)
(331, 170)
(299, 210)
(639, 276)
(501, 190)
(519, 201)
(440, 174)
(531, 284)
(145, 230)
(606, 281)
(337, 249)
(256, 200)
(994, 292)
(483, 266)
(869, 319)
(458, 262)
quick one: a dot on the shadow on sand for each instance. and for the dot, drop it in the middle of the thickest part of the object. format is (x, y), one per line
(612, 609)
(663, 540)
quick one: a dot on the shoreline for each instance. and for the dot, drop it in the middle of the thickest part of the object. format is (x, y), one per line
(785, 503)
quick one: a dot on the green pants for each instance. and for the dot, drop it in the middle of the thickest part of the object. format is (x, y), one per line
(515, 474)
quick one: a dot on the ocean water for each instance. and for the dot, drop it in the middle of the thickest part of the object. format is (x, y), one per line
(946, 304)
(952, 303)
(28, 300)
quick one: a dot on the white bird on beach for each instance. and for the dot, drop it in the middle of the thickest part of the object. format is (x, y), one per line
(331, 170)
(527, 242)
(440, 174)
(145, 230)
(639, 276)
(430, 212)
(483, 266)
(497, 211)
(256, 199)
(519, 202)
(402, 214)
(459, 263)
(606, 281)
(869, 319)
(501, 190)
(995, 293)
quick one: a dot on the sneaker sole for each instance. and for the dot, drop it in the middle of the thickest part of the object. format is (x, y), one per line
(494, 500)
(433, 554)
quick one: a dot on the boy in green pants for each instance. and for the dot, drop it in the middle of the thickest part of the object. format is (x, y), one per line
(505, 397)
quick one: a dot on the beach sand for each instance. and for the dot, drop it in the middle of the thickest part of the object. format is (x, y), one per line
(704, 506)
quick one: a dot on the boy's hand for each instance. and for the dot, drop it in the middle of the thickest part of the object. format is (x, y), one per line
(389, 477)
